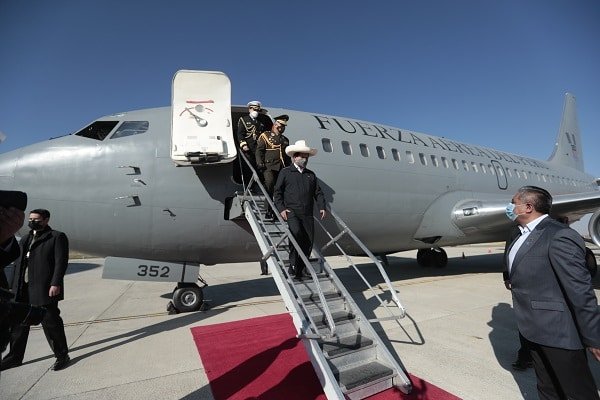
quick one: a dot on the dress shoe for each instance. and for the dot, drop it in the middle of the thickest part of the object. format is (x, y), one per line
(61, 363)
(522, 365)
(298, 277)
(9, 362)
(291, 271)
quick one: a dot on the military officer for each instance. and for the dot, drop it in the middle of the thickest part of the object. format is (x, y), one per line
(270, 154)
(249, 127)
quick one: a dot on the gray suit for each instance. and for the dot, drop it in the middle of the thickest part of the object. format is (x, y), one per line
(553, 298)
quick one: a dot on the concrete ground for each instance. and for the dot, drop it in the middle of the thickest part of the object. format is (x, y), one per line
(459, 333)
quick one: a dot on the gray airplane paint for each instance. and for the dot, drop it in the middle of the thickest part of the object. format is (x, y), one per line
(125, 197)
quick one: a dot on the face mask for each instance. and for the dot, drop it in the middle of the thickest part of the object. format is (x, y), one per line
(253, 114)
(510, 212)
(35, 225)
(302, 162)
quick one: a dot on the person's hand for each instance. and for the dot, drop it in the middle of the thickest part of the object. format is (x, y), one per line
(507, 284)
(54, 291)
(595, 352)
(261, 167)
(245, 148)
(284, 214)
(323, 213)
(11, 220)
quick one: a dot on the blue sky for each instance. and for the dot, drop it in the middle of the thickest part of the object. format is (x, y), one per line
(492, 73)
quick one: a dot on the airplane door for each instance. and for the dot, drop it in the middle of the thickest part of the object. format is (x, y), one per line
(500, 175)
(201, 131)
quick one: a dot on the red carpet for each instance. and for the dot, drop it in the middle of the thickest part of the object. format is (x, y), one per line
(260, 358)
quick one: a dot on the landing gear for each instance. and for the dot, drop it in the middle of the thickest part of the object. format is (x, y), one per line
(433, 257)
(187, 297)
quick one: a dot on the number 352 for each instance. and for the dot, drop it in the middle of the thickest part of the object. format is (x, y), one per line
(153, 271)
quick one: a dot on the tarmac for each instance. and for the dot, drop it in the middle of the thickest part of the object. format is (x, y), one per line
(459, 332)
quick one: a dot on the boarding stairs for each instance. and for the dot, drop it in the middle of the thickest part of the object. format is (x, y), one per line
(349, 357)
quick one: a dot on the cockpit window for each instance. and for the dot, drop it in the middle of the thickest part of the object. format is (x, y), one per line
(98, 130)
(129, 128)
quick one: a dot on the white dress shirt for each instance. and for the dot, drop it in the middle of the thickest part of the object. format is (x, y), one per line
(525, 231)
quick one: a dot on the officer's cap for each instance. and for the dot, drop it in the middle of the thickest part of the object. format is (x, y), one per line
(282, 119)
(254, 103)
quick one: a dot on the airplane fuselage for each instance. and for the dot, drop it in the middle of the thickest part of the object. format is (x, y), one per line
(125, 196)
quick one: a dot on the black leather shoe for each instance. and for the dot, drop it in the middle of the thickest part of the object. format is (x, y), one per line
(61, 363)
(521, 365)
(9, 362)
(297, 278)
(291, 271)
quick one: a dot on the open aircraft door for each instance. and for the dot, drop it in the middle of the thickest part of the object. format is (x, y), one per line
(201, 131)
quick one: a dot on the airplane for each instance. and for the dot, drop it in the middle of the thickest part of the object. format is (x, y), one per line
(152, 189)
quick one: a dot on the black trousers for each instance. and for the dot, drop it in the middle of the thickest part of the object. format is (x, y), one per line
(302, 228)
(562, 374)
(53, 326)
(270, 177)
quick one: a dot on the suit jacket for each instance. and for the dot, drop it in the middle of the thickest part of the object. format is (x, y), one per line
(47, 264)
(553, 298)
(297, 191)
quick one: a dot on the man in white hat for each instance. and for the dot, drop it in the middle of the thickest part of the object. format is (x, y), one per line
(295, 192)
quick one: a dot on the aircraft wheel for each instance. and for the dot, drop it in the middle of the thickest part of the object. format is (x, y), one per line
(440, 258)
(188, 298)
(425, 257)
(590, 261)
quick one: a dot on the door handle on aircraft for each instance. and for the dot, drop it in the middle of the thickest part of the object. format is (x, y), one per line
(134, 197)
(138, 180)
(136, 170)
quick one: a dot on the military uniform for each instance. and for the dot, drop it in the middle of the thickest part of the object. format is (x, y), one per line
(248, 131)
(270, 155)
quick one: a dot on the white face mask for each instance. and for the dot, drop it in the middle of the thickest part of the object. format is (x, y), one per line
(301, 162)
(253, 113)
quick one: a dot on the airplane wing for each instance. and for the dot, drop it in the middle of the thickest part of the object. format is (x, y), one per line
(483, 214)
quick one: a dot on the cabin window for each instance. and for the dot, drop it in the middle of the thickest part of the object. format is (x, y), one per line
(410, 157)
(508, 172)
(423, 159)
(492, 170)
(465, 165)
(97, 130)
(130, 128)
(455, 163)
(395, 155)
(445, 162)
(434, 161)
(327, 146)
(474, 166)
(524, 174)
(482, 168)
(380, 152)
(346, 148)
(364, 150)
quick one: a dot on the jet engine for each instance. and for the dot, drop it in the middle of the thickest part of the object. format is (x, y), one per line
(594, 228)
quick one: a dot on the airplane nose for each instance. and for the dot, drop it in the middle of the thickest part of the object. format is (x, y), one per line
(8, 164)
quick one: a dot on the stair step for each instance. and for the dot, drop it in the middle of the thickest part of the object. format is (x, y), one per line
(363, 375)
(339, 317)
(343, 345)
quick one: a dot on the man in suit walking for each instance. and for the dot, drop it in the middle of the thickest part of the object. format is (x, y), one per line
(296, 191)
(554, 302)
(38, 280)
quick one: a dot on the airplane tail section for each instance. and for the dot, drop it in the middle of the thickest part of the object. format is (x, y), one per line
(567, 149)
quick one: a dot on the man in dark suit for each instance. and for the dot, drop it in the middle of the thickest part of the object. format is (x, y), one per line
(295, 192)
(554, 302)
(38, 280)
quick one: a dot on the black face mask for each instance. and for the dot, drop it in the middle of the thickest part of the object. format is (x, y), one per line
(35, 225)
